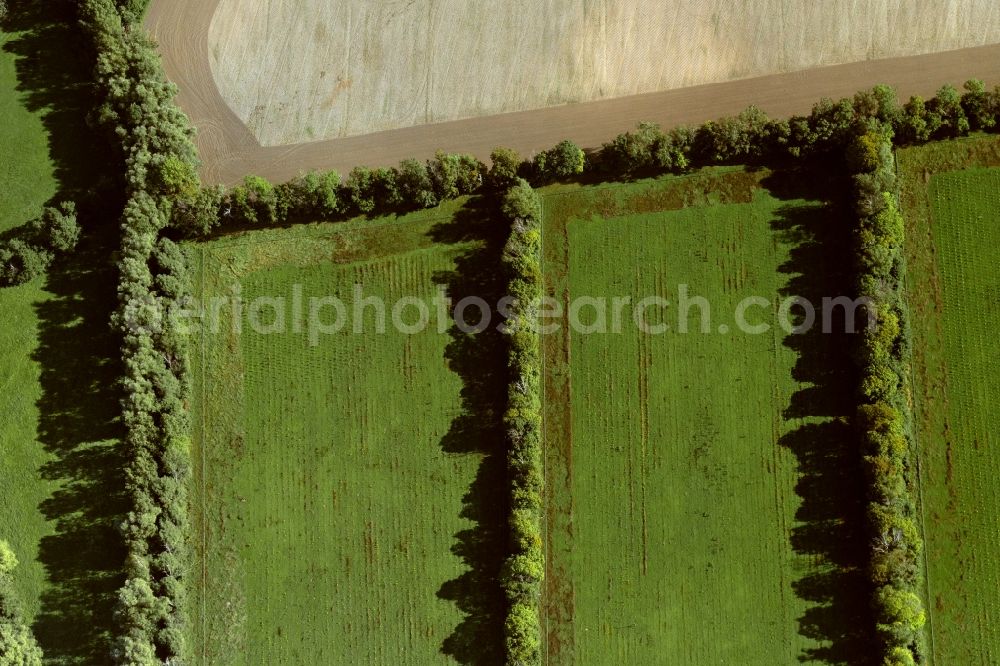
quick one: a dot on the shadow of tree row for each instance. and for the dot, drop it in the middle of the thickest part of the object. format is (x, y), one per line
(830, 522)
(479, 359)
(831, 516)
(77, 350)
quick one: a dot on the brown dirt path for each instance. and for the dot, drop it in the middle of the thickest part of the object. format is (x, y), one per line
(229, 151)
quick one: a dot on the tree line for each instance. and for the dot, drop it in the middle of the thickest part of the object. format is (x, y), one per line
(413, 185)
(524, 567)
(750, 137)
(883, 419)
(138, 114)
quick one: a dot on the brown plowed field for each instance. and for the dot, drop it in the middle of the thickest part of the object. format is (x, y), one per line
(229, 151)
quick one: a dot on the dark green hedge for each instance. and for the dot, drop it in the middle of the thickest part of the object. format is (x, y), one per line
(883, 416)
(139, 114)
(524, 568)
(325, 196)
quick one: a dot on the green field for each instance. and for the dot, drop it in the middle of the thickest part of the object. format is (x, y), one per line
(332, 515)
(950, 199)
(29, 182)
(60, 468)
(701, 501)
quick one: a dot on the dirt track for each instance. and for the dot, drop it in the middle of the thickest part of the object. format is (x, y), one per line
(229, 151)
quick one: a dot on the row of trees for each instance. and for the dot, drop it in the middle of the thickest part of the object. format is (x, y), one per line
(325, 196)
(524, 568)
(750, 137)
(753, 137)
(883, 417)
(29, 250)
(17, 644)
(160, 165)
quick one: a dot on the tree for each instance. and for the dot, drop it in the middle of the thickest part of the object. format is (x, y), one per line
(899, 656)
(830, 123)
(455, 175)
(262, 197)
(917, 124)
(948, 105)
(310, 195)
(202, 213)
(8, 561)
(177, 177)
(976, 103)
(57, 228)
(415, 184)
(385, 188)
(17, 644)
(521, 202)
(634, 151)
(254, 202)
(22, 262)
(522, 632)
(505, 165)
(880, 102)
(359, 188)
(564, 160)
(900, 615)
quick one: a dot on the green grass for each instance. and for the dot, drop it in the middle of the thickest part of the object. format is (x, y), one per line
(699, 490)
(60, 468)
(328, 503)
(29, 182)
(954, 285)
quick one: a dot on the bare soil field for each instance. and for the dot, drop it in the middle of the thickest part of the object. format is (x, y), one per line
(250, 78)
(308, 70)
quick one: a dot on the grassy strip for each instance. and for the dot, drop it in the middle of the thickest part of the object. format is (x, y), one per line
(524, 569)
(155, 138)
(884, 418)
(947, 191)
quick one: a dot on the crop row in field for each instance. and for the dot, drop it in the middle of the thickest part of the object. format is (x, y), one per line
(702, 505)
(336, 487)
(703, 496)
(950, 197)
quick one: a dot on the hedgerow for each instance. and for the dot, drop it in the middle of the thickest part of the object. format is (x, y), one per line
(752, 137)
(160, 165)
(325, 196)
(524, 568)
(883, 416)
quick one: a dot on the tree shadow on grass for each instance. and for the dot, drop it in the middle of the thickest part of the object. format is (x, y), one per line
(830, 523)
(77, 350)
(480, 360)
(79, 427)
